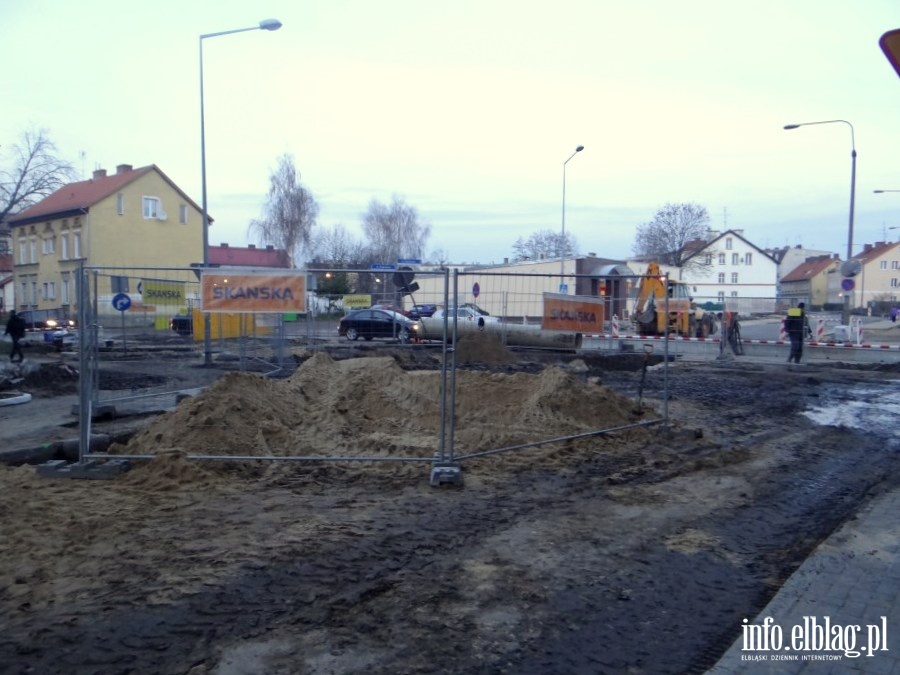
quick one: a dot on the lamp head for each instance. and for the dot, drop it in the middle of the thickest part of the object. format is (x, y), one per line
(791, 126)
(269, 24)
(579, 148)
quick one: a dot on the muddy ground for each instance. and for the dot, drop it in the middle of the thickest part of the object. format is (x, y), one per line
(639, 551)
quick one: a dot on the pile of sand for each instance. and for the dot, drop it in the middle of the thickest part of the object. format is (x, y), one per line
(370, 407)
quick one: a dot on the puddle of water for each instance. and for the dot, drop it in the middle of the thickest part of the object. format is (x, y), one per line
(875, 410)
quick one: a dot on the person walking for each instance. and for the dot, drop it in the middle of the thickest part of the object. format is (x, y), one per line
(15, 328)
(797, 327)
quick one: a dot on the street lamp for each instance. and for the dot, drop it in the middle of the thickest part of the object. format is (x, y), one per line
(265, 24)
(562, 243)
(845, 315)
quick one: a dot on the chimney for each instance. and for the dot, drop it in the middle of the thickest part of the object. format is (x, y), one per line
(592, 254)
(270, 247)
(506, 261)
(123, 168)
(223, 245)
(99, 173)
(867, 248)
(251, 246)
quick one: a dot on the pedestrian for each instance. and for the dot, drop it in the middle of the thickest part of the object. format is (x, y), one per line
(894, 312)
(797, 327)
(15, 328)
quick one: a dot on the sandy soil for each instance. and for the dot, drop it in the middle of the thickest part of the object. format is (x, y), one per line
(638, 551)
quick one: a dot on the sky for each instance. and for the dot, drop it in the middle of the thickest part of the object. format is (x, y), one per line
(468, 110)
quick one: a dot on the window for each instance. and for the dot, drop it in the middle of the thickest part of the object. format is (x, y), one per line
(24, 293)
(23, 250)
(734, 277)
(894, 283)
(734, 258)
(721, 296)
(895, 264)
(64, 291)
(34, 289)
(728, 243)
(48, 245)
(721, 277)
(120, 203)
(32, 249)
(883, 265)
(748, 259)
(151, 207)
(733, 294)
(721, 258)
(64, 246)
(182, 214)
(76, 244)
(119, 284)
(707, 259)
(49, 290)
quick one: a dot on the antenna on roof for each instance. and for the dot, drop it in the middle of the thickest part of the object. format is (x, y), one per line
(83, 156)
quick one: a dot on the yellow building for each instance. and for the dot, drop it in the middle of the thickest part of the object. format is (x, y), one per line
(132, 218)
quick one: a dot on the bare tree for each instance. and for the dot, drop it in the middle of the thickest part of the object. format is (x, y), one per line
(545, 244)
(439, 257)
(675, 236)
(336, 247)
(289, 214)
(394, 231)
(35, 171)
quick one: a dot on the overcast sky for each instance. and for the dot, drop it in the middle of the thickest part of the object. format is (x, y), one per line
(468, 110)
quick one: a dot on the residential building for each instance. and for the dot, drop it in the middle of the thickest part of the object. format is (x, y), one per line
(225, 255)
(878, 282)
(789, 258)
(132, 218)
(7, 285)
(734, 272)
(810, 282)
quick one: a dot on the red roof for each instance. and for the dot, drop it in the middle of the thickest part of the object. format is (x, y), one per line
(809, 268)
(872, 251)
(231, 256)
(86, 193)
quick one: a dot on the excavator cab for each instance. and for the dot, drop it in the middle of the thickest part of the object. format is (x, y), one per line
(656, 293)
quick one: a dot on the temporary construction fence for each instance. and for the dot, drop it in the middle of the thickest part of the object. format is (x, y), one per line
(149, 321)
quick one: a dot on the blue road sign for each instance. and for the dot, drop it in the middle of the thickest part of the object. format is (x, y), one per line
(409, 261)
(121, 301)
(380, 266)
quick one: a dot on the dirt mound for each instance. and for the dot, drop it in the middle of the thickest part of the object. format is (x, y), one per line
(483, 348)
(371, 407)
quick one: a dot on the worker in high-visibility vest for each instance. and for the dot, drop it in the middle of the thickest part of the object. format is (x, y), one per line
(797, 327)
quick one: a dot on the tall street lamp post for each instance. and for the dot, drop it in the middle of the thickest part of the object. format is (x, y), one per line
(845, 315)
(562, 255)
(265, 24)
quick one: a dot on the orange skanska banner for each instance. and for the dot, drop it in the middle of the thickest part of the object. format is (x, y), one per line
(253, 293)
(578, 313)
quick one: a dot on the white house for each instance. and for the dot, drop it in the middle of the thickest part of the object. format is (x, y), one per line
(737, 273)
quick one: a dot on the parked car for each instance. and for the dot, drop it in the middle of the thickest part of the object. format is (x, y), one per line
(377, 323)
(466, 313)
(418, 311)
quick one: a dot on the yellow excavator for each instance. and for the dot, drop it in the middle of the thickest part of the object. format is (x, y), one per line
(683, 318)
